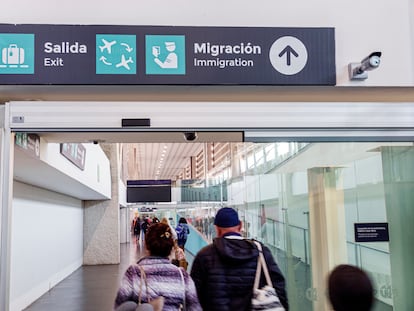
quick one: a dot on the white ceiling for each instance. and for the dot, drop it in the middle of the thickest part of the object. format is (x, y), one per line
(161, 160)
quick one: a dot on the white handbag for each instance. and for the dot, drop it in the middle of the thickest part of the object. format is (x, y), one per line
(264, 298)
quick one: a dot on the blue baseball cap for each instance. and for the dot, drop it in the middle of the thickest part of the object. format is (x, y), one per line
(226, 217)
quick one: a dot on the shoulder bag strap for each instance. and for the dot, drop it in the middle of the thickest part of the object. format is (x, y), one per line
(257, 277)
(143, 281)
(182, 282)
(261, 262)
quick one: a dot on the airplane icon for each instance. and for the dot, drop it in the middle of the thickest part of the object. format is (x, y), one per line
(107, 45)
(124, 62)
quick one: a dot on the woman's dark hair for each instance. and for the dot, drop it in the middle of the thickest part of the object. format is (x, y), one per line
(350, 289)
(159, 240)
(182, 220)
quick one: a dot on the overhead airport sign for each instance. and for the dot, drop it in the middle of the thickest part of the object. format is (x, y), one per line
(161, 55)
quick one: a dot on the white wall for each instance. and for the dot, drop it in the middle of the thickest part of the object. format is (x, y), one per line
(96, 171)
(47, 235)
(361, 26)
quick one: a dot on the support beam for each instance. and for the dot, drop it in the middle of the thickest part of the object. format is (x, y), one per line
(327, 228)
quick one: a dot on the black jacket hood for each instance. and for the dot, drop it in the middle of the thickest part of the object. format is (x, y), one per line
(234, 249)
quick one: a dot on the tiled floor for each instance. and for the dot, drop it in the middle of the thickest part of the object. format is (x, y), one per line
(90, 288)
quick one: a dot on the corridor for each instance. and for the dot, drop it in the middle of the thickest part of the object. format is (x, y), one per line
(90, 288)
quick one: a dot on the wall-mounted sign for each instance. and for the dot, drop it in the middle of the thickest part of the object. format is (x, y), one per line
(161, 55)
(371, 232)
(75, 153)
(29, 143)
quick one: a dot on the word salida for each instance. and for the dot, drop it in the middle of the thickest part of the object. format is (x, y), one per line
(61, 48)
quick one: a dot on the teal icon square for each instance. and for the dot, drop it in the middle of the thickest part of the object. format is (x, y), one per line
(165, 55)
(17, 53)
(116, 54)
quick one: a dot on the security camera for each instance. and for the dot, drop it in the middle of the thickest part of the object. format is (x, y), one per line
(190, 136)
(358, 71)
(370, 62)
(96, 141)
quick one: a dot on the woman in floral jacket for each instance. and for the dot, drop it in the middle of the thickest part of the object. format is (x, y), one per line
(163, 278)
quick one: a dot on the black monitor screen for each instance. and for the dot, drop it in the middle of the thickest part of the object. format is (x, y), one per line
(148, 191)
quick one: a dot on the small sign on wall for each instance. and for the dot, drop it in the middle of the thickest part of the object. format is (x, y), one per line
(371, 232)
(29, 143)
(75, 153)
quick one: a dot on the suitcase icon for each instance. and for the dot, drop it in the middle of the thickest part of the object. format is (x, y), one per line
(12, 55)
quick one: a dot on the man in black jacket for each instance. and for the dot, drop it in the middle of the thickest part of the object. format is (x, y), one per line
(224, 271)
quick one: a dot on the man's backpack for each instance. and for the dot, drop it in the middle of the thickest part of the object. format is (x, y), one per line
(181, 232)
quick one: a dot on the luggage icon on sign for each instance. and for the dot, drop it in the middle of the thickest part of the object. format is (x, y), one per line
(12, 55)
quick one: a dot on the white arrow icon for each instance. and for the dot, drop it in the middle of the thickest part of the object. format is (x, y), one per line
(288, 55)
(103, 60)
(127, 47)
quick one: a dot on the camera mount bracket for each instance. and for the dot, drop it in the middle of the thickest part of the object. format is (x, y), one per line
(353, 72)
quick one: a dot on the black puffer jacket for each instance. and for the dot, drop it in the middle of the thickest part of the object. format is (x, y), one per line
(224, 272)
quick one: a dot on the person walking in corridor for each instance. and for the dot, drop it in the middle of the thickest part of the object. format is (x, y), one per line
(154, 276)
(137, 229)
(182, 231)
(224, 271)
(350, 288)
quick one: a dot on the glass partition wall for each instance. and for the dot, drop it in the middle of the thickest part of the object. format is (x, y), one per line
(304, 201)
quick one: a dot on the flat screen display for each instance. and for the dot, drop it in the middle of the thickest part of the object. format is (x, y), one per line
(148, 191)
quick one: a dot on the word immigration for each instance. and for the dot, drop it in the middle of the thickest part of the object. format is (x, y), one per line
(223, 63)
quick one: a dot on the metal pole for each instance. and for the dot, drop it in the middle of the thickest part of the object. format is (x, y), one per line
(6, 190)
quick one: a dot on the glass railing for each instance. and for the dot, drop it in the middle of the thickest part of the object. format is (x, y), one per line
(295, 258)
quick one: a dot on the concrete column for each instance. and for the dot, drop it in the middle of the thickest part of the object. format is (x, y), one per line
(398, 172)
(101, 241)
(124, 225)
(327, 229)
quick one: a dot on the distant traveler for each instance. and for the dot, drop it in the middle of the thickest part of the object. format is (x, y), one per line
(350, 289)
(163, 278)
(182, 232)
(144, 226)
(224, 271)
(133, 222)
(137, 229)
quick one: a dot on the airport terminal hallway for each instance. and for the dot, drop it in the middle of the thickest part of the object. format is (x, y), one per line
(90, 288)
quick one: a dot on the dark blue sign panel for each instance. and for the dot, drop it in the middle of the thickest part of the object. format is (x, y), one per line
(161, 55)
(371, 232)
(148, 182)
